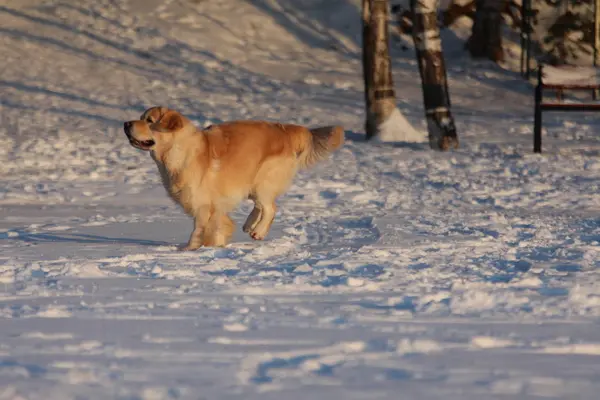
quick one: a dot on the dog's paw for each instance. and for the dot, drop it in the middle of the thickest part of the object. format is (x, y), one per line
(187, 247)
(214, 244)
(257, 235)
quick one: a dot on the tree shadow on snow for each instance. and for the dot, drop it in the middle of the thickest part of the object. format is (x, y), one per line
(64, 111)
(159, 63)
(315, 26)
(167, 63)
(80, 238)
(49, 92)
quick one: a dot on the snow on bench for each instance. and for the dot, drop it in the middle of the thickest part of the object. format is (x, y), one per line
(570, 76)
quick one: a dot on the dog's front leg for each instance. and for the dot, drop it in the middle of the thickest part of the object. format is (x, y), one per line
(218, 231)
(197, 236)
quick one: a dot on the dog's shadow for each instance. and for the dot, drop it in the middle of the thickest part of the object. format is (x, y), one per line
(80, 238)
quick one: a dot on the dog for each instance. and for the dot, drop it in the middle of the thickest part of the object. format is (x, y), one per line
(209, 172)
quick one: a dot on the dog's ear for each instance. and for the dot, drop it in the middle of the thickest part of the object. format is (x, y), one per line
(153, 114)
(170, 122)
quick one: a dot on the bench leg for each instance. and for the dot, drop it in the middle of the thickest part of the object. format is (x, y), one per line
(537, 117)
(537, 130)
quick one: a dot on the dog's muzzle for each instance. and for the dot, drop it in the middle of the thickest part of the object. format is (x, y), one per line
(140, 144)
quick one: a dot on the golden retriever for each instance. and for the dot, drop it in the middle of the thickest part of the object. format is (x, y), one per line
(209, 172)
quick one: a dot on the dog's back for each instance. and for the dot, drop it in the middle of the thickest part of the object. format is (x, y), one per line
(250, 143)
(274, 138)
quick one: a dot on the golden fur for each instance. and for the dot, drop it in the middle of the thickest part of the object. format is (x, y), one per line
(209, 172)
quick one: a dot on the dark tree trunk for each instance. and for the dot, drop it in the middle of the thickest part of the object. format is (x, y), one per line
(428, 45)
(380, 95)
(367, 55)
(486, 36)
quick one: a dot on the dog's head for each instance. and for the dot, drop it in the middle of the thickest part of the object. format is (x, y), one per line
(157, 127)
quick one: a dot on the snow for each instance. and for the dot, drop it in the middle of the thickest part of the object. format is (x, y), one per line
(396, 128)
(571, 75)
(390, 268)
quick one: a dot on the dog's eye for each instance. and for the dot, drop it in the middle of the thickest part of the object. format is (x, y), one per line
(150, 120)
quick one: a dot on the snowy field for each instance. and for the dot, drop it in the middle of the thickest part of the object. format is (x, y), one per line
(392, 272)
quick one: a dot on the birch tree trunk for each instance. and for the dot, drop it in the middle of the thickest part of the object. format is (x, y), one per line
(383, 121)
(436, 99)
(486, 35)
(367, 56)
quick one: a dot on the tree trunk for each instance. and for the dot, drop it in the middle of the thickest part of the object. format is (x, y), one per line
(383, 119)
(486, 36)
(436, 99)
(367, 56)
(596, 61)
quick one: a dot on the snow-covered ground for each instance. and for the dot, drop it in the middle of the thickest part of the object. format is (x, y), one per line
(391, 272)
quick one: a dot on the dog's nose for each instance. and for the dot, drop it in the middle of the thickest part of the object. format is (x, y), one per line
(127, 127)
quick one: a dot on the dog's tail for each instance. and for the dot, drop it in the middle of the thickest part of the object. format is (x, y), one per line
(314, 145)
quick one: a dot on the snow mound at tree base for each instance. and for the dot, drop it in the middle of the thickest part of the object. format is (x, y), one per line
(398, 129)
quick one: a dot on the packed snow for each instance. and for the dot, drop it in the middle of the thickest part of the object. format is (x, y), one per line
(392, 271)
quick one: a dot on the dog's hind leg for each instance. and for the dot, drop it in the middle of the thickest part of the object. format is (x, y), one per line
(274, 178)
(267, 207)
(253, 218)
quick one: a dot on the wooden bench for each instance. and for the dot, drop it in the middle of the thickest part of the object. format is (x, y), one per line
(559, 79)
